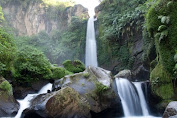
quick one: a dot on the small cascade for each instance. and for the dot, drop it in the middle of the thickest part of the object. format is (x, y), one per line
(25, 103)
(144, 107)
(129, 97)
(91, 48)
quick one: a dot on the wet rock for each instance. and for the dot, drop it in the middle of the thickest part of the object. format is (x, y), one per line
(21, 92)
(65, 103)
(141, 74)
(124, 74)
(76, 96)
(8, 105)
(95, 84)
(171, 110)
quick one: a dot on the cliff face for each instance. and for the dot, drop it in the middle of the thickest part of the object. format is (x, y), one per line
(39, 17)
(125, 50)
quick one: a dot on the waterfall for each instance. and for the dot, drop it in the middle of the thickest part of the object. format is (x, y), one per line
(129, 97)
(25, 103)
(132, 99)
(91, 48)
(142, 98)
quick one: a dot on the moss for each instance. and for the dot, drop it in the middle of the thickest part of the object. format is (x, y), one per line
(153, 64)
(75, 66)
(100, 88)
(6, 86)
(59, 72)
(161, 82)
(86, 74)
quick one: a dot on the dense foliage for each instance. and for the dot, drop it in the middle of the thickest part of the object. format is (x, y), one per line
(31, 65)
(115, 24)
(161, 24)
(7, 52)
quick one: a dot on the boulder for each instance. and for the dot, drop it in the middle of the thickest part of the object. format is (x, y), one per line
(76, 95)
(124, 74)
(141, 74)
(171, 110)
(65, 103)
(94, 84)
(8, 105)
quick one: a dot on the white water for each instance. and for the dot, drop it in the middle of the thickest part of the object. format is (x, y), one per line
(129, 97)
(25, 103)
(142, 98)
(132, 98)
(91, 48)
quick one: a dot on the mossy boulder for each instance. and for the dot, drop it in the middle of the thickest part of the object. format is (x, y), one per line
(8, 105)
(161, 82)
(75, 66)
(65, 103)
(76, 95)
(95, 84)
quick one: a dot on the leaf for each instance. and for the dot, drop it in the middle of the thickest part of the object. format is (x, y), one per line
(163, 19)
(162, 27)
(167, 20)
(163, 35)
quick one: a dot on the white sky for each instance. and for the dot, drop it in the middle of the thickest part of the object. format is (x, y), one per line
(89, 4)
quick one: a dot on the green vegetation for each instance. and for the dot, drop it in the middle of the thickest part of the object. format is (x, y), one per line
(116, 24)
(6, 86)
(86, 74)
(155, 22)
(23, 58)
(161, 25)
(1, 15)
(161, 81)
(59, 72)
(75, 66)
(59, 46)
(31, 65)
(100, 88)
(7, 53)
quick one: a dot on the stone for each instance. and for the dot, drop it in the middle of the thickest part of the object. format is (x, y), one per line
(8, 105)
(171, 110)
(124, 74)
(89, 87)
(141, 74)
(76, 95)
(65, 103)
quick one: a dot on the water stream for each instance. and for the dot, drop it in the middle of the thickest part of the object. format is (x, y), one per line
(25, 103)
(132, 99)
(91, 48)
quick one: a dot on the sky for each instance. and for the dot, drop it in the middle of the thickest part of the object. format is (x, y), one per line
(89, 4)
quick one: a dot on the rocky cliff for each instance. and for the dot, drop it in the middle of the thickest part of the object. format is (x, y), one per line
(124, 47)
(36, 16)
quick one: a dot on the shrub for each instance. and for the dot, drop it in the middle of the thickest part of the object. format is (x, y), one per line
(6, 86)
(75, 66)
(59, 72)
(31, 65)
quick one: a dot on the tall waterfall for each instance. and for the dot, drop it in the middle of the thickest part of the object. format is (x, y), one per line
(91, 48)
